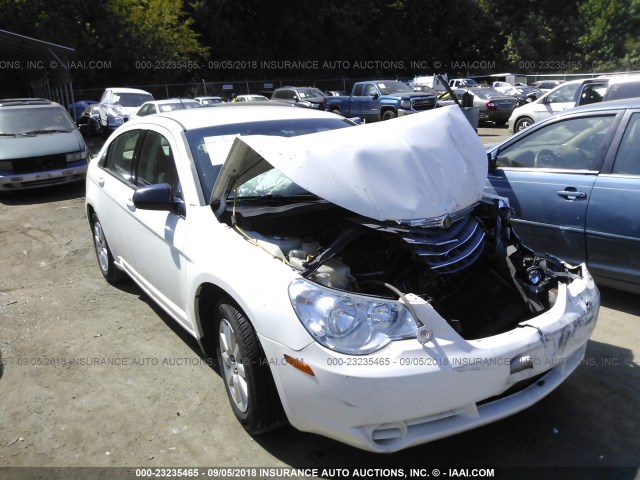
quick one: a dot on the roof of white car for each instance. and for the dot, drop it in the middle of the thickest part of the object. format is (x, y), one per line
(224, 114)
(126, 90)
(172, 101)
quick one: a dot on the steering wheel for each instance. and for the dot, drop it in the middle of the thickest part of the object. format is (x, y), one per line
(545, 158)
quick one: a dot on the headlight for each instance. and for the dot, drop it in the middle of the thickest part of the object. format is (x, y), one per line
(405, 104)
(349, 323)
(76, 156)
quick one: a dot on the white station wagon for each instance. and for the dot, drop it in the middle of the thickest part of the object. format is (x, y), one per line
(351, 280)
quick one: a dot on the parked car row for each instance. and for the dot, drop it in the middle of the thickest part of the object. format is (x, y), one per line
(572, 94)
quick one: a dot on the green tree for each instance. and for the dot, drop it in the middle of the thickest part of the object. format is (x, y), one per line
(610, 39)
(535, 31)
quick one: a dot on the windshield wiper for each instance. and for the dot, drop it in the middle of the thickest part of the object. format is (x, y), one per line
(53, 130)
(8, 134)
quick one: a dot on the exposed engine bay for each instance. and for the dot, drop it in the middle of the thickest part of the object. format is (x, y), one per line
(470, 265)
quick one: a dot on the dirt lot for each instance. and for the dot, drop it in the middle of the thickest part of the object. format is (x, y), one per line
(159, 403)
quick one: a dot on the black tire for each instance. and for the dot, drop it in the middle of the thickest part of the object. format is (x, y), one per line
(111, 273)
(245, 372)
(522, 123)
(389, 114)
(105, 132)
(336, 111)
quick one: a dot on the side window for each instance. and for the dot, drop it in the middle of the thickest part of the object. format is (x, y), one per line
(357, 92)
(156, 163)
(623, 90)
(563, 94)
(144, 111)
(592, 93)
(370, 90)
(120, 155)
(573, 144)
(628, 158)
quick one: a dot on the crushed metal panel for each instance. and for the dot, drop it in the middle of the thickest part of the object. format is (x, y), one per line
(414, 167)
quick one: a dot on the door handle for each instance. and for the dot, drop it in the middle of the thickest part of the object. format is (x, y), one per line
(101, 181)
(130, 205)
(571, 193)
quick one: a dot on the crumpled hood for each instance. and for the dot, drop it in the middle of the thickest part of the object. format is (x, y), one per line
(419, 166)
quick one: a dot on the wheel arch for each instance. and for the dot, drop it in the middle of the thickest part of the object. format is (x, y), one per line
(386, 108)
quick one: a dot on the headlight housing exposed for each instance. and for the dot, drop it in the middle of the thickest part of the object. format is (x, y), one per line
(349, 323)
(406, 104)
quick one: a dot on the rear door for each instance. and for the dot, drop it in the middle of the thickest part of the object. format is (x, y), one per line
(548, 174)
(613, 216)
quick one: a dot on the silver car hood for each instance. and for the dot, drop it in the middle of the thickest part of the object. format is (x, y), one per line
(26, 146)
(415, 167)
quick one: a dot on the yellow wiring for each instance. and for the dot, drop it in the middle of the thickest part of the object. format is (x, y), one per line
(244, 234)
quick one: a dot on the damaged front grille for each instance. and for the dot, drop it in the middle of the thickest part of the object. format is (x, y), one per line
(447, 244)
(447, 250)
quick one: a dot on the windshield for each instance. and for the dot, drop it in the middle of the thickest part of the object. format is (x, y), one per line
(31, 120)
(309, 93)
(388, 88)
(210, 145)
(131, 99)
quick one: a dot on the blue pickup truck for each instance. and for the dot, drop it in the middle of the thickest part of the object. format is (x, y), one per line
(381, 100)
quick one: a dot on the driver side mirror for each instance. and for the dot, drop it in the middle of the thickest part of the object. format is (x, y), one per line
(374, 96)
(492, 158)
(295, 98)
(158, 197)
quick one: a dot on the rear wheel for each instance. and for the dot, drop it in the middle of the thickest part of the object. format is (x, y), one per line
(247, 378)
(111, 273)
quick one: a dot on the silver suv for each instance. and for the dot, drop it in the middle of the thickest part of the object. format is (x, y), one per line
(39, 145)
(309, 97)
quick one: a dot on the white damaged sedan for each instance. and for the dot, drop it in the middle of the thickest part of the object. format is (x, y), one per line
(352, 281)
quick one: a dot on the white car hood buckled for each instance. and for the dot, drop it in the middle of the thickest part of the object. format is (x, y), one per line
(414, 167)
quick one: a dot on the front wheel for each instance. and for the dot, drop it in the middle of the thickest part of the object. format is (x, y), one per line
(389, 114)
(247, 378)
(522, 123)
(111, 273)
